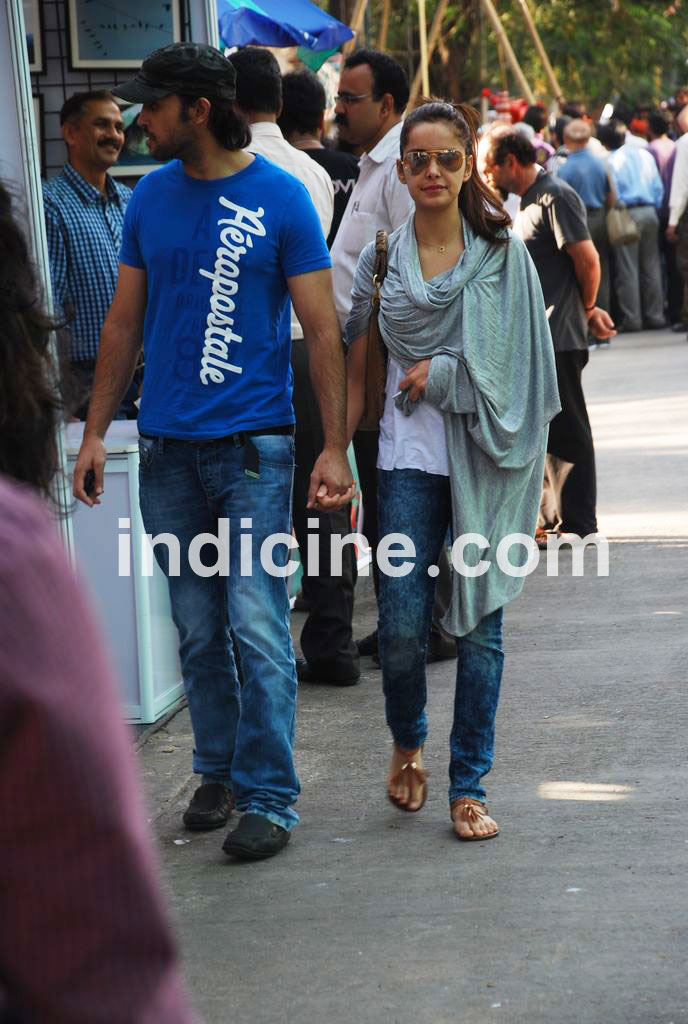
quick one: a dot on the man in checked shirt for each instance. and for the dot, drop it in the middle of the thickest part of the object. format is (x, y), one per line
(84, 212)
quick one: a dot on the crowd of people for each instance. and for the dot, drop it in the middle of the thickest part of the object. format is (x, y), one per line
(427, 290)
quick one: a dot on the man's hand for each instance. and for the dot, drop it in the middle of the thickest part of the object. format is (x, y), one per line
(91, 456)
(600, 324)
(415, 380)
(672, 233)
(331, 485)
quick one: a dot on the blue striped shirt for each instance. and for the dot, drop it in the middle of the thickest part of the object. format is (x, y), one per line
(84, 230)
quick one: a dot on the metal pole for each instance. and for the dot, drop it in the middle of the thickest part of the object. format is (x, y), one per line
(433, 38)
(508, 52)
(423, 35)
(549, 70)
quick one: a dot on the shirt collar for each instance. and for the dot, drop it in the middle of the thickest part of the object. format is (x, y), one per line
(266, 130)
(88, 192)
(387, 146)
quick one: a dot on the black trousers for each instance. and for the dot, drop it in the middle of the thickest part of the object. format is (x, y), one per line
(570, 439)
(326, 638)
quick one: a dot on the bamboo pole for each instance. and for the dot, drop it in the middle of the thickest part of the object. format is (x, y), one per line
(433, 39)
(542, 53)
(423, 35)
(355, 25)
(384, 25)
(502, 66)
(509, 53)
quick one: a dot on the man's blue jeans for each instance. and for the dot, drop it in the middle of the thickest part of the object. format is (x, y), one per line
(418, 505)
(243, 735)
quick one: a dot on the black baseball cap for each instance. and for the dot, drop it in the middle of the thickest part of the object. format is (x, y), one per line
(187, 69)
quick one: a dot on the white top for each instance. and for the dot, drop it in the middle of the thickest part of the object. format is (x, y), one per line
(378, 202)
(411, 442)
(678, 197)
(596, 148)
(636, 140)
(268, 141)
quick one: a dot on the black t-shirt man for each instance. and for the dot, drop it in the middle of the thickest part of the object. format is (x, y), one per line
(343, 169)
(552, 215)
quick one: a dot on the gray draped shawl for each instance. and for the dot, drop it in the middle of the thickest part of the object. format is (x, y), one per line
(492, 375)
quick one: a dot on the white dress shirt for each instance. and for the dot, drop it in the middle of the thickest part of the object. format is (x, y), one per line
(678, 197)
(267, 140)
(378, 202)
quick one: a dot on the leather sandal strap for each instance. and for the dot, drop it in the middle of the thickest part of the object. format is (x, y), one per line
(468, 809)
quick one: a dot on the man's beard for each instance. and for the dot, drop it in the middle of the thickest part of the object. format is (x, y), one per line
(176, 148)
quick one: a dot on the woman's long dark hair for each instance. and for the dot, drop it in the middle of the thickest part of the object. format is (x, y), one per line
(478, 203)
(30, 408)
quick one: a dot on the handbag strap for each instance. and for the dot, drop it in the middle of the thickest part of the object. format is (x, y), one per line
(380, 268)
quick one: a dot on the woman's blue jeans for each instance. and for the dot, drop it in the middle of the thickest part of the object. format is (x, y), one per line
(242, 735)
(418, 505)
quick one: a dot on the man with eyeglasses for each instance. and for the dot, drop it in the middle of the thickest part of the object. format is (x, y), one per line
(370, 104)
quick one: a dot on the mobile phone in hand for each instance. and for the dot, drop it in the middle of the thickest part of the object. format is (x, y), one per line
(90, 483)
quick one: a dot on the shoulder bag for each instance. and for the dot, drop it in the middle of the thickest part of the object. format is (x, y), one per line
(376, 353)
(621, 228)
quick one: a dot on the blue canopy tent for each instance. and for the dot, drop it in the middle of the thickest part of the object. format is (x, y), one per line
(280, 23)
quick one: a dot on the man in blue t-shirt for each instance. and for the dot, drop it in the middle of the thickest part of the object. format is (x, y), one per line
(214, 245)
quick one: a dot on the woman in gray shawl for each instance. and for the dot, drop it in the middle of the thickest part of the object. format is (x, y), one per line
(470, 391)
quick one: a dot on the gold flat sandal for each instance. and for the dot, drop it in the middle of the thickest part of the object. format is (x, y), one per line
(397, 777)
(470, 811)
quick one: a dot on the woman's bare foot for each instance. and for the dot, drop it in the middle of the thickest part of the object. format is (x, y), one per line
(407, 783)
(471, 820)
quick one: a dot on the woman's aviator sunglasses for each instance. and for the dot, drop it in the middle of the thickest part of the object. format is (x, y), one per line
(418, 160)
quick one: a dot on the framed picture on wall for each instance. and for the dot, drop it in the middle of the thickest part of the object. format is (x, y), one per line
(135, 158)
(34, 35)
(111, 36)
(40, 134)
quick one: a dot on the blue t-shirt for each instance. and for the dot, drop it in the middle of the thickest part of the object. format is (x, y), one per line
(587, 175)
(217, 255)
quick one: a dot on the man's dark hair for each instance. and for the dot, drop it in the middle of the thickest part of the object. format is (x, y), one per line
(228, 128)
(536, 117)
(623, 112)
(303, 103)
(73, 108)
(559, 126)
(513, 142)
(575, 108)
(259, 81)
(612, 134)
(388, 76)
(658, 123)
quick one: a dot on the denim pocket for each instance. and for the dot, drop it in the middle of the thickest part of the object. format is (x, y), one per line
(275, 450)
(147, 446)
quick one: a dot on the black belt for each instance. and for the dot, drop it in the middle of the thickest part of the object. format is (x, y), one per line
(241, 439)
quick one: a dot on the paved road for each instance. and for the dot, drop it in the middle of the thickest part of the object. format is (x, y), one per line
(576, 914)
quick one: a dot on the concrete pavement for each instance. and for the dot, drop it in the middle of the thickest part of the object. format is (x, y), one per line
(576, 913)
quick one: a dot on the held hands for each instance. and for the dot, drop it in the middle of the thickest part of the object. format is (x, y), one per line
(601, 324)
(331, 485)
(415, 380)
(91, 460)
